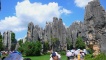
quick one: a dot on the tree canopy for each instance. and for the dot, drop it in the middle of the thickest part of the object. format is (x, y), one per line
(79, 43)
(31, 48)
(13, 37)
(1, 43)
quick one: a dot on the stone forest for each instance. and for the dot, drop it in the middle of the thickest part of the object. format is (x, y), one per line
(92, 31)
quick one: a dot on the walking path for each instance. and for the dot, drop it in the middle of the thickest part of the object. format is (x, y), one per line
(77, 59)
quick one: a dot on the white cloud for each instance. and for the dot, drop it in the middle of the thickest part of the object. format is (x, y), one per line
(37, 13)
(65, 11)
(11, 23)
(82, 3)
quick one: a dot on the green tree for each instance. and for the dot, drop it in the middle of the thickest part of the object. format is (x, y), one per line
(13, 41)
(13, 37)
(20, 42)
(45, 47)
(55, 44)
(22, 48)
(31, 48)
(1, 44)
(38, 48)
(69, 44)
(79, 43)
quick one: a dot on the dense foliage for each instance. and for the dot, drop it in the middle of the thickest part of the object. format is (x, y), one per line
(13, 41)
(101, 56)
(31, 48)
(13, 37)
(79, 43)
(62, 52)
(55, 44)
(69, 44)
(20, 42)
(1, 44)
(45, 47)
(90, 51)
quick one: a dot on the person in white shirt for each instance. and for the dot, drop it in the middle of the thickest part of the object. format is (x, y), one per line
(55, 56)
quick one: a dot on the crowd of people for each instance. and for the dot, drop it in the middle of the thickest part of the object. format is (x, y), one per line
(76, 54)
(71, 55)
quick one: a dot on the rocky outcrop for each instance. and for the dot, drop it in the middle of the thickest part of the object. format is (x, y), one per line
(75, 30)
(54, 29)
(34, 32)
(92, 29)
(7, 40)
(30, 31)
(48, 32)
(95, 22)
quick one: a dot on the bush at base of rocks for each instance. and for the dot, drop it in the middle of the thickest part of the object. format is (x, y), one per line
(62, 52)
(101, 56)
(31, 48)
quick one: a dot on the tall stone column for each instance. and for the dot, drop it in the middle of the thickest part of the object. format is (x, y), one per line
(5, 40)
(9, 39)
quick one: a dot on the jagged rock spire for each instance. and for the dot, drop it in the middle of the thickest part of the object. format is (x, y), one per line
(95, 21)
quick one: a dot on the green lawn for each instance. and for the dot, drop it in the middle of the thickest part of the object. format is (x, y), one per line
(44, 57)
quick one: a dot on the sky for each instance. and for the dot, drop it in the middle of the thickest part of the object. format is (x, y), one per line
(16, 14)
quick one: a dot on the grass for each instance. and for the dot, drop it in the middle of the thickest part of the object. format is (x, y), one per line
(101, 56)
(44, 57)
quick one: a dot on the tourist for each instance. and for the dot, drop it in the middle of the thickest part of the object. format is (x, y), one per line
(14, 56)
(72, 55)
(85, 51)
(79, 56)
(76, 53)
(73, 50)
(55, 56)
(68, 54)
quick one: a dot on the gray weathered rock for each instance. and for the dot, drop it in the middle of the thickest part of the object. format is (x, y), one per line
(30, 31)
(95, 21)
(7, 40)
(75, 30)
(92, 29)
(54, 29)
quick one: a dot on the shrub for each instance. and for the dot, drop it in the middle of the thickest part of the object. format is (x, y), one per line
(48, 53)
(90, 51)
(45, 47)
(21, 49)
(88, 57)
(38, 48)
(101, 56)
(62, 52)
(69, 44)
(31, 48)
(79, 43)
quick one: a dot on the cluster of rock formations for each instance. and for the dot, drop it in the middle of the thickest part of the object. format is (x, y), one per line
(7, 40)
(92, 30)
(8, 44)
(54, 29)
